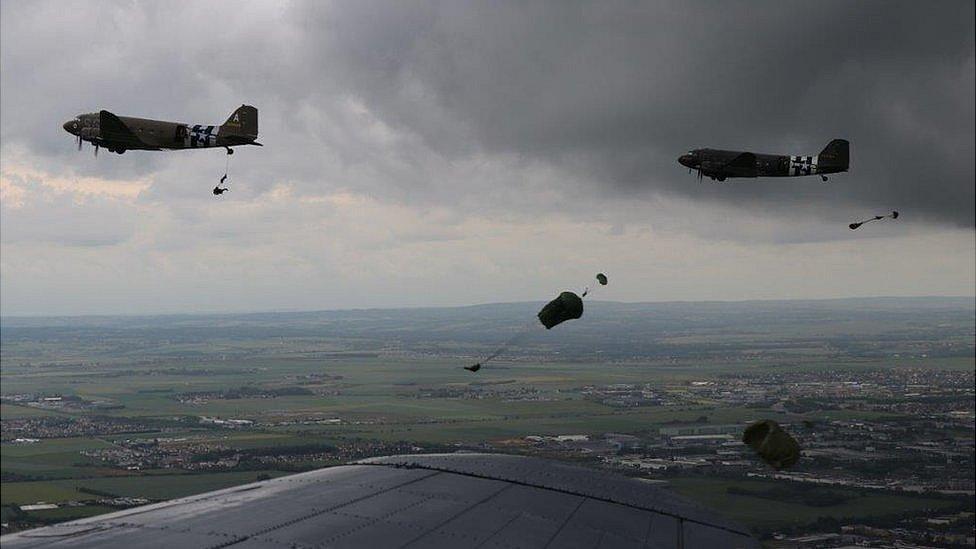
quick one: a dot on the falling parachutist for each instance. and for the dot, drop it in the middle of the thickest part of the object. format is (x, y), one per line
(855, 225)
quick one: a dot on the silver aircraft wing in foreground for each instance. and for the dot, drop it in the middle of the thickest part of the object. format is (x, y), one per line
(439, 500)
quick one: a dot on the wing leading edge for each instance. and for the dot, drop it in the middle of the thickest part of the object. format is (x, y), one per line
(113, 130)
(745, 161)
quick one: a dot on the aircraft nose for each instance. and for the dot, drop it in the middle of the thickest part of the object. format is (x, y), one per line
(71, 126)
(687, 160)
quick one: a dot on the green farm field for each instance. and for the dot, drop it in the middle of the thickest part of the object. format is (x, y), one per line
(363, 383)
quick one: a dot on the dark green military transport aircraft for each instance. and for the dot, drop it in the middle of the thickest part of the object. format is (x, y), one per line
(121, 133)
(719, 164)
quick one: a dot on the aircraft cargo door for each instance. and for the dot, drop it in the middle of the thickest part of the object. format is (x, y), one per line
(181, 134)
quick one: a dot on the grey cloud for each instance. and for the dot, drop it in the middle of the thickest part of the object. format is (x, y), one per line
(59, 219)
(618, 90)
(515, 110)
(473, 152)
(482, 98)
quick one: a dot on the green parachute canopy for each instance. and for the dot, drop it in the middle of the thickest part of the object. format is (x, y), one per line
(774, 445)
(567, 306)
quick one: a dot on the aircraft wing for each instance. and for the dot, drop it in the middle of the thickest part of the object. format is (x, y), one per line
(113, 130)
(746, 160)
(439, 500)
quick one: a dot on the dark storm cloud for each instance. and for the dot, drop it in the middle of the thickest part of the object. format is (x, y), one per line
(480, 152)
(604, 96)
(618, 90)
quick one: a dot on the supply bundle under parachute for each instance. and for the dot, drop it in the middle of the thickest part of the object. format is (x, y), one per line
(892, 215)
(774, 445)
(566, 306)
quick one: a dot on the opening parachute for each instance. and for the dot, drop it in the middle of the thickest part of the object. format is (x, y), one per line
(218, 190)
(856, 224)
(566, 306)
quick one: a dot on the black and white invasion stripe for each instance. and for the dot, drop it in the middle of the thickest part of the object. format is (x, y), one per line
(803, 165)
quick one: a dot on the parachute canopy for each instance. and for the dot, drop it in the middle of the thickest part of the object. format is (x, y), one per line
(567, 306)
(774, 445)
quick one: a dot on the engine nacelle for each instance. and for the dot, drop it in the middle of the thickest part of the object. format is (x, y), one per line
(710, 166)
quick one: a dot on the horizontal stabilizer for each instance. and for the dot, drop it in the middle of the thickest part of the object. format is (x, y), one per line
(233, 140)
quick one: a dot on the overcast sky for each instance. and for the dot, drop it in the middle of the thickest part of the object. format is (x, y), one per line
(450, 153)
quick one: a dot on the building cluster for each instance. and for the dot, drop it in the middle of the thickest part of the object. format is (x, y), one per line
(204, 454)
(625, 395)
(59, 402)
(505, 390)
(951, 530)
(27, 430)
(250, 392)
(121, 502)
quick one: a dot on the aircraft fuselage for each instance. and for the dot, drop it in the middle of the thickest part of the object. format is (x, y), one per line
(155, 134)
(721, 164)
(121, 133)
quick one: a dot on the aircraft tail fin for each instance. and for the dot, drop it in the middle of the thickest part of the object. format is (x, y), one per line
(835, 155)
(242, 123)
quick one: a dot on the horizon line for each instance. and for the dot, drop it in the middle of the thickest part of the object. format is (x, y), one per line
(484, 304)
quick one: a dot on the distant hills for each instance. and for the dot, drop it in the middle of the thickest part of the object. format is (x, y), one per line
(935, 326)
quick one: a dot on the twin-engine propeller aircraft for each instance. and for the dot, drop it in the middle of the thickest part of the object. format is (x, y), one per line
(121, 133)
(719, 165)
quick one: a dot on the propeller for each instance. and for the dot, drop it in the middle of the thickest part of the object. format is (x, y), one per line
(96, 150)
(79, 142)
